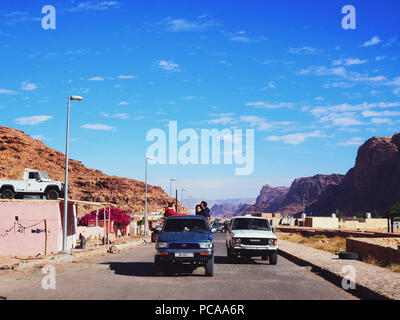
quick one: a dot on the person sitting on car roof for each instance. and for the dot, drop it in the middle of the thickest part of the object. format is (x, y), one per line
(170, 210)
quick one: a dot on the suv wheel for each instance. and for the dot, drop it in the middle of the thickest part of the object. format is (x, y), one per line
(209, 267)
(158, 269)
(231, 257)
(265, 257)
(52, 195)
(7, 194)
(273, 258)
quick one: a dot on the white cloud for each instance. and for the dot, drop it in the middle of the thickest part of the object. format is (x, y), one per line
(267, 105)
(32, 121)
(98, 127)
(27, 86)
(6, 91)
(381, 121)
(95, 6)
(126, 77)
(349, 61)
(224, 62)
(40, 137)
(341, 72)
(296, 138)
(122, 116)
(168, 65)
(373, 41)
(176, 25)
(379, 58)
(385, 113)
(302, 50)
(96, 79)
(123, 103)
(356, 141)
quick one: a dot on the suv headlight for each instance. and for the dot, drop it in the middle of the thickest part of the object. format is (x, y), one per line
(162, 245)
(206, 245)
(272, 241)
(236, 240)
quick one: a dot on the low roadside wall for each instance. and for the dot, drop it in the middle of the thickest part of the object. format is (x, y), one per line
(386, 253)
(336, 233)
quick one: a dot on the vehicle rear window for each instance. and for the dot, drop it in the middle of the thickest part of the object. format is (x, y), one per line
(251, 224)
(185, 225)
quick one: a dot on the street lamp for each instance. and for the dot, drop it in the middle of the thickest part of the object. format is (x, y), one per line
(170, 188)
(145, 198)
(76, 98)
(182, 198)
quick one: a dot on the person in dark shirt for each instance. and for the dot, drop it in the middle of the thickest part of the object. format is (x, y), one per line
(205, 211)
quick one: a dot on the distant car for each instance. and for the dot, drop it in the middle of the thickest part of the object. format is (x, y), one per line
(184, 240)
(218, 226)
(250, 236)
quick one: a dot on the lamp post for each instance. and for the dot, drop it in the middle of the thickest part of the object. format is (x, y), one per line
(182, 198)
(170, 188)
(76, 98)
(145, 198)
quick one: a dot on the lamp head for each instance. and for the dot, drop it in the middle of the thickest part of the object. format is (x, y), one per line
(77, 98)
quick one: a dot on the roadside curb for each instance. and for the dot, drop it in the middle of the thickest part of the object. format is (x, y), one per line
(75, 256)
(361, 291)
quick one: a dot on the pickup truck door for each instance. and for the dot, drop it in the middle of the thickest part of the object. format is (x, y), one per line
(33, 184)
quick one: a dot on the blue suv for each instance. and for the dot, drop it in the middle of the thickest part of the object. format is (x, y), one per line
(184, 240)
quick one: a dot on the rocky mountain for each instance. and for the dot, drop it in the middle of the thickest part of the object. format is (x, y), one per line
(19, 151)
(268, 200)
(290, 200)
(309, 187)
(372, 184)
(226, 210)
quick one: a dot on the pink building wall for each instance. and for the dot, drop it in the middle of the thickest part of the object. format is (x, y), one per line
(26, 236)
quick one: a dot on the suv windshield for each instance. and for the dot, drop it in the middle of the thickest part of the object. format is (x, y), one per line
(251, 224)
(186, 225)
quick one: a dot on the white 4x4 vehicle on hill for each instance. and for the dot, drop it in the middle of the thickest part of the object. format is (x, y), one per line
(35, 182)
(250, 236)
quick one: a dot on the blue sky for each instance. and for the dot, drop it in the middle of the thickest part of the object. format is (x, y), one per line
(311, 90)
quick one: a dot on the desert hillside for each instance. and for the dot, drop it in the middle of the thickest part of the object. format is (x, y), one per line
(19, 151)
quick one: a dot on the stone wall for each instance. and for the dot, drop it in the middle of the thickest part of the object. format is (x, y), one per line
(322, 222)
(363, 224)
(385, 250)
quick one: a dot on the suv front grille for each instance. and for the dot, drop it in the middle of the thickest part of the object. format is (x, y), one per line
(254, 241)
(184, 246)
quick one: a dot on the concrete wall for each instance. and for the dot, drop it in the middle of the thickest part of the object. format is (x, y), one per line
(365, 247)
(27, 236)
(363, 224)
(322, 222)
(266, 214)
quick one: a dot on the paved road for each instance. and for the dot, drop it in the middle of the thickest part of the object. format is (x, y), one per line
(129, 275)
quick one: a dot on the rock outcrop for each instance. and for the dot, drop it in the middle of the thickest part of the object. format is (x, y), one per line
(372, 184)
(226, 210)
(309, 187)
(19, 151)
(268, 200)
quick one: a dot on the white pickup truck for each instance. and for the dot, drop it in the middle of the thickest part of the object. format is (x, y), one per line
(35, 182)
(250, 236)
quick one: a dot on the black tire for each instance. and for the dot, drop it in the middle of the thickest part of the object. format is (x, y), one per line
(158, 269)
(229, 254)
(273, 258)
(265, 257)
(209, 267)
(52, 194)
(7, 194)
(349, 255)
